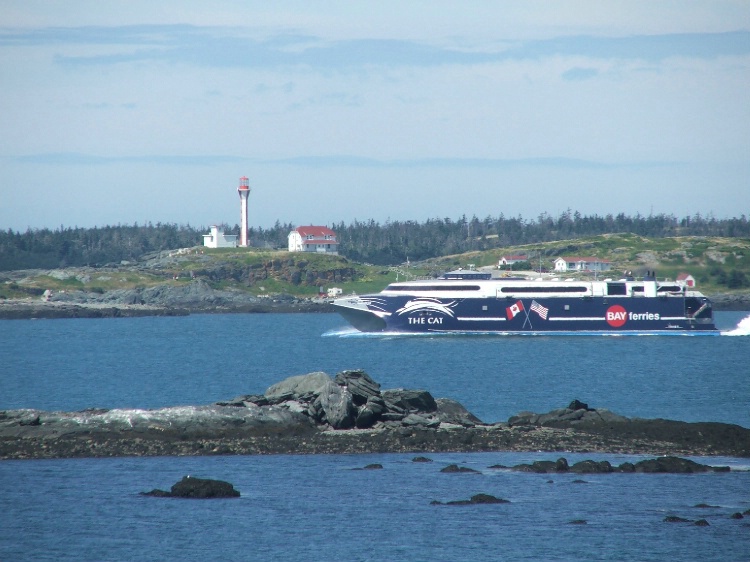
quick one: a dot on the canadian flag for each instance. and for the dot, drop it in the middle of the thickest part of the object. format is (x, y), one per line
(514, 309)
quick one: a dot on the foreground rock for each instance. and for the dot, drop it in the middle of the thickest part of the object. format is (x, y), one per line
(349, 413)
(197, 488)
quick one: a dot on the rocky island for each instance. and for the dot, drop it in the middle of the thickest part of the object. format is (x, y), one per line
(349, 413)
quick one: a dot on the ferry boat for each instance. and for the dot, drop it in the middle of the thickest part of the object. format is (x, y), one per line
(474, 301)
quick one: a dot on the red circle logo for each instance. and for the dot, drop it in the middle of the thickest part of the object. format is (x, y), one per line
(616, 316)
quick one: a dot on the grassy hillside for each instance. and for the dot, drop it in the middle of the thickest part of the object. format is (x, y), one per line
(718, 265)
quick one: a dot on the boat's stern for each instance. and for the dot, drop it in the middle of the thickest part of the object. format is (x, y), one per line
(357, 312)
(699, 310)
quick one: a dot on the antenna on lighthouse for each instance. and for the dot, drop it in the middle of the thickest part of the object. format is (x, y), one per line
(244, 191)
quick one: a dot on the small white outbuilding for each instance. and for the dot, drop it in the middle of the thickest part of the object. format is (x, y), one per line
(217, 239)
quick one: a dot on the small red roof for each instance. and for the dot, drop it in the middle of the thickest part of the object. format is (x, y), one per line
(683, 276)
(316, 231)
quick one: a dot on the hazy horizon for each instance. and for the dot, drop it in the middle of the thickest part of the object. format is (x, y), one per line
(137, 112)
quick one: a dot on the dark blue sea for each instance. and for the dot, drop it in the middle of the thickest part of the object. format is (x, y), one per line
(317, 507)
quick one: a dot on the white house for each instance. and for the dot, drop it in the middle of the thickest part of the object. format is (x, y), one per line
(582, 264)
(335, 292)
(217, 239)
(313, 239)
(686, 278)
(510, 260)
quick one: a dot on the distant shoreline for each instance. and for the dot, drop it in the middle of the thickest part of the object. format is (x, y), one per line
(29, 309)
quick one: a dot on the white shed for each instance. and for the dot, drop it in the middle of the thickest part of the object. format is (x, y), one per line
(217, 239)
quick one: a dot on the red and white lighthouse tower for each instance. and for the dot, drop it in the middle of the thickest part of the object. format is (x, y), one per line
(244, 191)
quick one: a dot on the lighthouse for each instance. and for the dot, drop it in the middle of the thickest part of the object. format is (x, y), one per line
(244, 191)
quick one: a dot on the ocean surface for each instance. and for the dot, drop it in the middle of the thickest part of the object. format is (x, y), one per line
(318, 507)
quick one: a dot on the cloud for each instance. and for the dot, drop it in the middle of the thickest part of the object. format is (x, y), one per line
(579, 73)
(331, 161)
(239, 48)
(79, 159)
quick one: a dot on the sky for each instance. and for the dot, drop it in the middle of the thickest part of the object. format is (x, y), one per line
(124, 112)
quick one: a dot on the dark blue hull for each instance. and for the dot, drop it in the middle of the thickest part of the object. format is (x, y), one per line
(405, 313)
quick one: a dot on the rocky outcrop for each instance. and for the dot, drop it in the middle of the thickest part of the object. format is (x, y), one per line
(349, 413)
(476, 499)
(576, 414)
(354, 400)
(669, 464)
(709, 437)
(197, 488)
(455, 469)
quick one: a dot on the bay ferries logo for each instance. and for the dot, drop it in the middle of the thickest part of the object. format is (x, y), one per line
(616, 316)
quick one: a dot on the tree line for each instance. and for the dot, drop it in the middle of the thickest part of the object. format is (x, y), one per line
(389, 243)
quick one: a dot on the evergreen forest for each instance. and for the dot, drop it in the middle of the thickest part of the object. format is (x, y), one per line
(389, 243)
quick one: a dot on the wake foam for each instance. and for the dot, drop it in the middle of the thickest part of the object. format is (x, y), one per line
(742, 329)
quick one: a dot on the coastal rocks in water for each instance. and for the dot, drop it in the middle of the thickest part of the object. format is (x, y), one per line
(672, 465)
(372, 466)
(295, 387)
(359, 384)
(476, 499)
(337, 406)
(675, 519)
(369, 414)
(197, 488)
(450, 411)
(592, 467)
(542, 467)
(410, 400)
(315, 413)
(576, 413)
(711, 438)
(454, 469)
(421, 459)
(354, 400)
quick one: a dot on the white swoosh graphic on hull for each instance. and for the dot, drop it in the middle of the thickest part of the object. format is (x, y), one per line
(433, 305)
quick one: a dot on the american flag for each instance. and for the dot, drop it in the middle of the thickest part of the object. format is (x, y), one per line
(539, 309)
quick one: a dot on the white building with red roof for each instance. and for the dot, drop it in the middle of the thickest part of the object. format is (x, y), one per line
(686, 278)
(575, 263)
(319, 239)
(511, 260)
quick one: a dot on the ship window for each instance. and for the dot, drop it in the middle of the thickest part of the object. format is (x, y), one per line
(616, 289)
(670, 288)
(466, 275)
(447, 287)
(547, 289)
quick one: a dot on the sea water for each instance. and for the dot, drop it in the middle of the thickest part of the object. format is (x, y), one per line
(320, 508)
